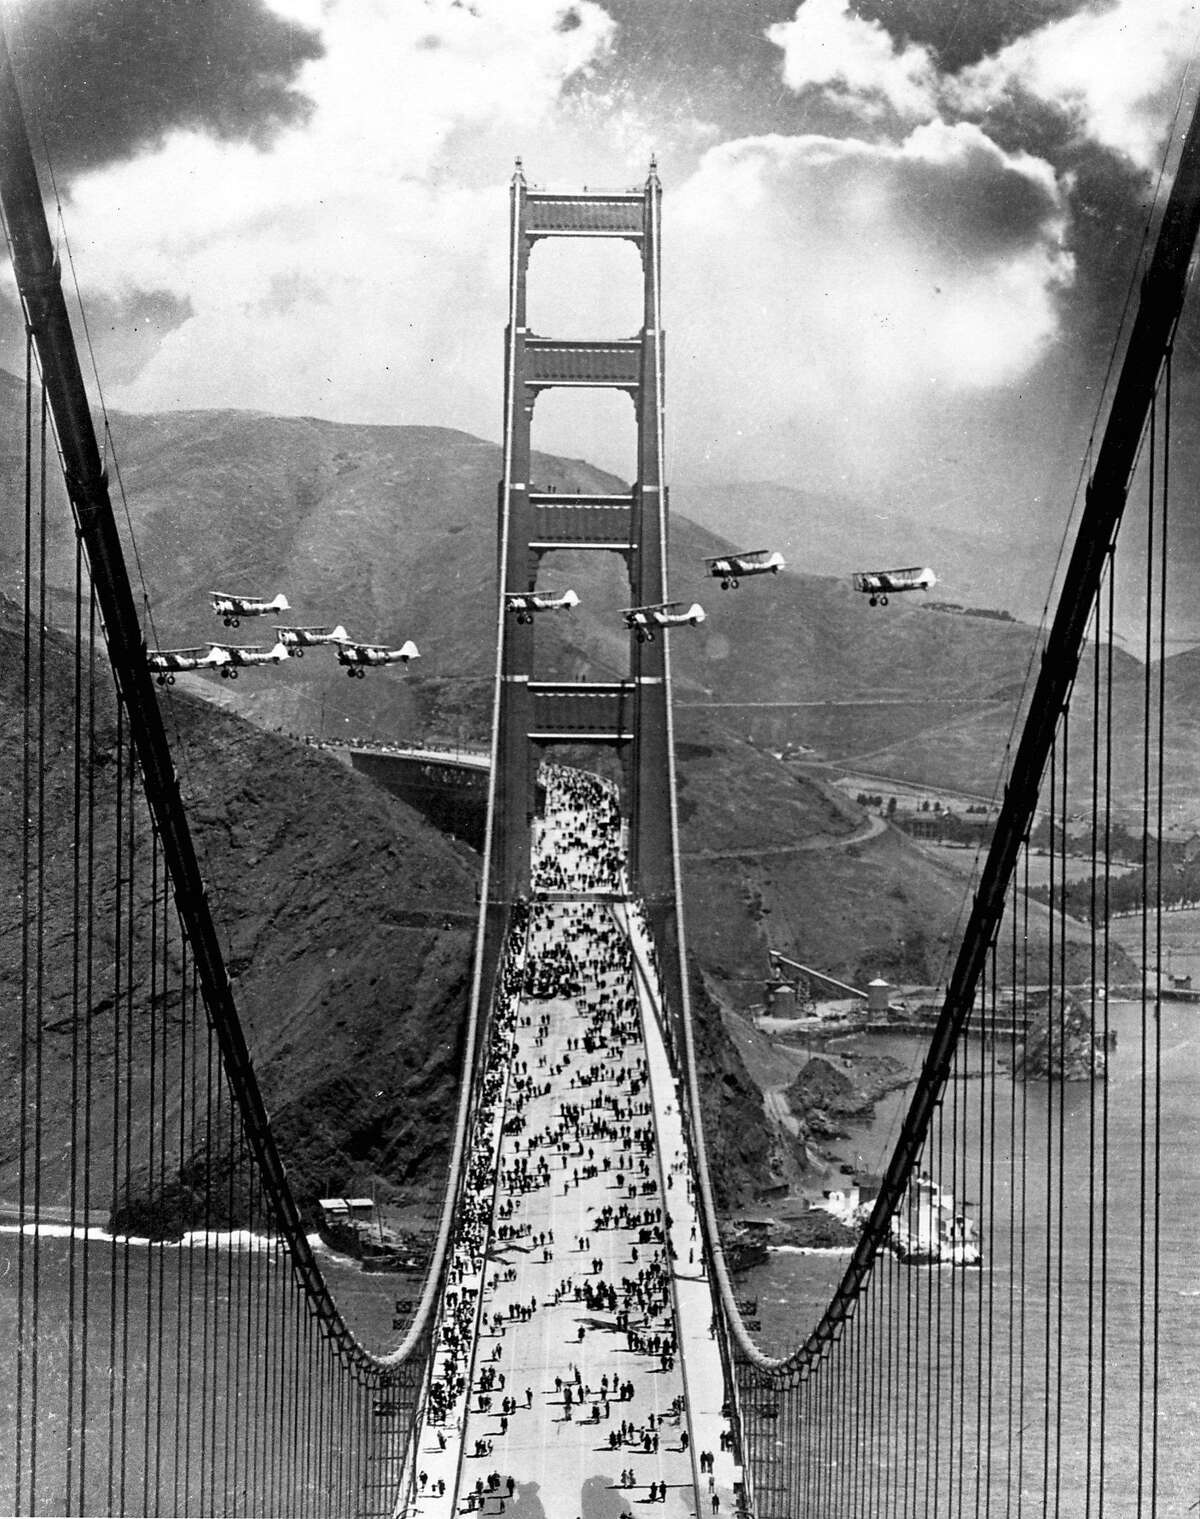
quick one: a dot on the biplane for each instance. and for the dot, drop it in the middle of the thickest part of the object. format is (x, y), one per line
(730, 569)
(880, 584)
(665, 614)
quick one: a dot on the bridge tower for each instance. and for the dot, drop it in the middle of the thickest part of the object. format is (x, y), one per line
(632, 714)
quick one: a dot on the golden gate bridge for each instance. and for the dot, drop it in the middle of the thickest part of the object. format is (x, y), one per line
(577, 1347)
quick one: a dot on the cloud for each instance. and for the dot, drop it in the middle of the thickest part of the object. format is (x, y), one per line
(850, 59)
(108, 79)
(845, 291)
(835, 298)
(355, 268)
(1114, 70)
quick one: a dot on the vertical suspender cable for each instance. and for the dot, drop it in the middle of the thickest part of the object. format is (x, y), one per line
(76, 1310)
(1156, 1140)
(1149, 893)
(20, 1450)
(1061, 1115)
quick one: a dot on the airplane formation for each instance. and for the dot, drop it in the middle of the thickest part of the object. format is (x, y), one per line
(290, 643)
(357, 657)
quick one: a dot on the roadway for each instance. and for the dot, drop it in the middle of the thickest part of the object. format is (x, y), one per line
(562, 1389)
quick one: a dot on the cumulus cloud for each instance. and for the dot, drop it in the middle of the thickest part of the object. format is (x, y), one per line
(828, 296)
(356, 268)
(1114, 69)
(827, 46)
(849, 287)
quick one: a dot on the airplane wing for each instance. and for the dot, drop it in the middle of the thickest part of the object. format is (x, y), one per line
(758, 560)
(914, 578)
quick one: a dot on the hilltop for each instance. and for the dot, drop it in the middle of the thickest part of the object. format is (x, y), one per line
(391, 531)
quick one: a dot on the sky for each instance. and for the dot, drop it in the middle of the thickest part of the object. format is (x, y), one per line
(898, 234)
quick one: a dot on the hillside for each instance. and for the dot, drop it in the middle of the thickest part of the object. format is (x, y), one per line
(827, 534)
(774, 859)
(391, 530)
(349, 921)
(347, 924)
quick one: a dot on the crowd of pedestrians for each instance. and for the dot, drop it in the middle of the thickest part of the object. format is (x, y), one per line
(578, 839)
(563, 1216)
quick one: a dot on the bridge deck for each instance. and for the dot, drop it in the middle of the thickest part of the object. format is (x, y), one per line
(570, 1408)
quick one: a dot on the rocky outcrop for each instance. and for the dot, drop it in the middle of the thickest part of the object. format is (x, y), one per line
(1062, 1043)
(827, 1099)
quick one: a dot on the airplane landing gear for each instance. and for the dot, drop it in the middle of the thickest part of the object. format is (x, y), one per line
(883, 601)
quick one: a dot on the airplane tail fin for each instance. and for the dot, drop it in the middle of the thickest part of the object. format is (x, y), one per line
(280, 651)
(281, 604)
(410, 651)
(570, 599)
(339, 635)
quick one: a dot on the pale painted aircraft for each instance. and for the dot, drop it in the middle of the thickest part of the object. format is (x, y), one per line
(665, 614)
(167, 663)
(241, 656)
(233, 608)
(357, 657)
(526, 603)
(299, 639)
(880, 584)
(730, 568)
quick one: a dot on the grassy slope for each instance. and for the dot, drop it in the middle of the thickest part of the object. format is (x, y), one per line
(347, 924)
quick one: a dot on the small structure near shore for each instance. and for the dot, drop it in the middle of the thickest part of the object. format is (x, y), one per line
(352, 1226)
(927, 1229)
